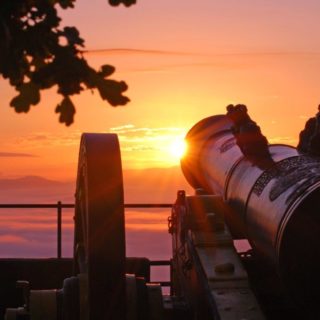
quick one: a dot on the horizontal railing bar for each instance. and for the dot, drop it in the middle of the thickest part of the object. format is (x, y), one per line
(162, 283)
(160, 263)
(34, 206)
(148, 205)
(71, 205)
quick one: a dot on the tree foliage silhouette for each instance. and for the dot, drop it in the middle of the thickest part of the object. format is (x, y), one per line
(37, 54)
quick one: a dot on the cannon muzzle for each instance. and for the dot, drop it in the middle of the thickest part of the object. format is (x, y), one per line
(275, 197)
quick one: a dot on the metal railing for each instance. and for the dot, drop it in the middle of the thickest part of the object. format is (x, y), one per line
(59, 206)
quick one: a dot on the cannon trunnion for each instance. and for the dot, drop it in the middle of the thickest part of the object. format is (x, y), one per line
(207, 270)
(270, 198)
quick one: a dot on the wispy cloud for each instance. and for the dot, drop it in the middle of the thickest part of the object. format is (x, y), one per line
(130, 51)
(49, 139)
(130, 128)
(5, 239)
(34, 235)
(168, 61)
(16, 154)
(134, 138)
(141, 146)
(283, 140)
(149, 147)
(137, 51)
(127, 133)
(122, 128)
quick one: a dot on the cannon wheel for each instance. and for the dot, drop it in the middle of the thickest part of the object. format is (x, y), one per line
(99, 243)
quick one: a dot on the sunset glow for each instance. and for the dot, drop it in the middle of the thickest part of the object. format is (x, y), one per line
(179, 70)
(178, 148)
(183, 61)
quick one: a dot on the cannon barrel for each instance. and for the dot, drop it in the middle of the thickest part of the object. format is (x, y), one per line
(275, 202)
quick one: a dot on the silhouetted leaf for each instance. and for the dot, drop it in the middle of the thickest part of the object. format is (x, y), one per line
(19, 104)
(28, 95)
(66, 110)
(127, 3)
(66, 3)
(92, 79)
(33, 57)
(107, 70)
(72, 34)
(112, 90)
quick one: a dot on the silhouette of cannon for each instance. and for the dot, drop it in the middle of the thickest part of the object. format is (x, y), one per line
(272, 200)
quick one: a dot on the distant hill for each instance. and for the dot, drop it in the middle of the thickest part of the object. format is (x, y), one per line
(28, 182)
(35, 189)
(147, 185)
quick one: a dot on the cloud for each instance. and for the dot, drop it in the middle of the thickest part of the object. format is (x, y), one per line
(135, 51)
(131, 130)
(48, 139)
(149, 147)
(168, 60)
(134, 138)
(16, 154)
(157, 61)
(5, 239)
(34, 235)
(125, 127)
(283, 140)
(131, 51)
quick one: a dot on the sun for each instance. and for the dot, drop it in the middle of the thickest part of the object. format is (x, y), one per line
(177, 148)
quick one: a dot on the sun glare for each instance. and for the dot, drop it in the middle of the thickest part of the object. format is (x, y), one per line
(177, 148)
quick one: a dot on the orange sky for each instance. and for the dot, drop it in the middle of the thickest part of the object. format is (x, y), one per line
(182, 60)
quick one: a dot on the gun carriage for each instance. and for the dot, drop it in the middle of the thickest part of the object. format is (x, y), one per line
(269, 198)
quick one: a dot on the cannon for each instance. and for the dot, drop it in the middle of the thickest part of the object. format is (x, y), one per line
(275, 200)
(271, 199)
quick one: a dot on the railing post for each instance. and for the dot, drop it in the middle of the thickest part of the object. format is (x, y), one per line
(59, 229)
